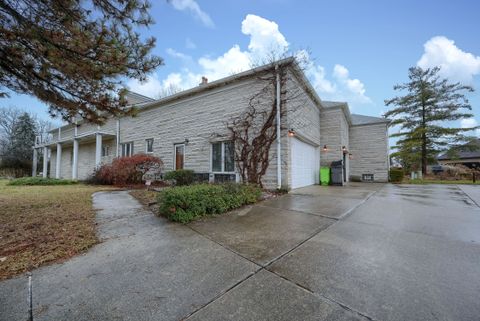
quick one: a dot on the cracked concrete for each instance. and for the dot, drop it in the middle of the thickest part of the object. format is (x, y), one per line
(360, 252)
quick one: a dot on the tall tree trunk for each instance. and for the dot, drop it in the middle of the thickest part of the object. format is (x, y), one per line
(424, 138)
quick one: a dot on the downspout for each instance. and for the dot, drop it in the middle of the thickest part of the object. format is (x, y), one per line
(279, 146)
(118, 137)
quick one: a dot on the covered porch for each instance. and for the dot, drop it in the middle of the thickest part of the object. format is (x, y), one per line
(58, 148)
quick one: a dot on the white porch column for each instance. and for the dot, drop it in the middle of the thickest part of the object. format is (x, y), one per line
(75, 160)
(34, 162)
(98, 150)
(45, 161)
(59, 161)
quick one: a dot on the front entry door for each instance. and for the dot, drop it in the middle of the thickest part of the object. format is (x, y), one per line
(179, 156)
(345, 167)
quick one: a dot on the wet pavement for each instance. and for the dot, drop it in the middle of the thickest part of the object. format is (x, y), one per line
(359, 252)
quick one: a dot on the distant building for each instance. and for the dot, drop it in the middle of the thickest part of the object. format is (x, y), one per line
(467, 156)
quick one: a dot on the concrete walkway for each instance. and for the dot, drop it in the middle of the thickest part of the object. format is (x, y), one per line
(361, 252)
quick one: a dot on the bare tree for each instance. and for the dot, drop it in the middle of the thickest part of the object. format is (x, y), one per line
(254, 131)
(8, 119)
(170, 90)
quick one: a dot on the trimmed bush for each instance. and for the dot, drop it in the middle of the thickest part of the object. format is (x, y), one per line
(40, 181)
(186, 203)
(124, 170)
(181, 176)
(396, 175)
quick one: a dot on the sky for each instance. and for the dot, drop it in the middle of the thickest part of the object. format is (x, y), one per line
(357, 50)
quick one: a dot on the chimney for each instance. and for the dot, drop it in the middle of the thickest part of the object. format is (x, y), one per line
(204, 81)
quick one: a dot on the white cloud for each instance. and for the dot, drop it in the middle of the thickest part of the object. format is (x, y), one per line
(150, 87)
(354, 87)
(233, 61)
(178, 55)
(469, 123)
(265, 36)
(456, 64)
(189, 44)
(194, 8)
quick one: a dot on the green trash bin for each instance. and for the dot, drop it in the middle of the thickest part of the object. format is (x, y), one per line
(325, 175)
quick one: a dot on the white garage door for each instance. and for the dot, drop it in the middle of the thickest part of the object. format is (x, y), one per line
(305, 164)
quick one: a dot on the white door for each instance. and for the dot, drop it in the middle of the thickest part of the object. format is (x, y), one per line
(305, 164)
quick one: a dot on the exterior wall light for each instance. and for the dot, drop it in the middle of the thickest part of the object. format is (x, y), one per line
(186, 141)
(350, 156)
(325, 148)
(291, 132)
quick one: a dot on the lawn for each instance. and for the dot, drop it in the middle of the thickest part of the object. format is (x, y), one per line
(42, 224)
(437, 181)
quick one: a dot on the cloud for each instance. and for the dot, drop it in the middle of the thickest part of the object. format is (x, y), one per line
(179, 55)
(456, 64)
(353, 86)
(469, 123)
(150, 87)
(194, 8)
(265, 36)
(189, 44)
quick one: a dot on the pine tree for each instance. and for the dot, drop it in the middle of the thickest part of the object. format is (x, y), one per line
(23, 134)
(73, 55)
(426, 114)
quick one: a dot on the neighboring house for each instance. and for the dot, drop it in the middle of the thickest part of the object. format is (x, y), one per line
(188, 130)
(468, 156)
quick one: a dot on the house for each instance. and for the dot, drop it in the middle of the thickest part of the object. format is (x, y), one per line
(468, 155)
(187, 130)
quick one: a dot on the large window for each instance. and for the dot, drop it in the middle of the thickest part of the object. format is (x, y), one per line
(179, 156)
(149, 145)
(223, 157)
(127, 149)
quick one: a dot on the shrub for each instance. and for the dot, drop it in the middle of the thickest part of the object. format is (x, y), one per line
(125, 170)
(181, 176)
(186, 203)
(396, 175)
(41, 181)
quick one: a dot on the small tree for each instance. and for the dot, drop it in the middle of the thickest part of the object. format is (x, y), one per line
(254, 131)
(421, 113)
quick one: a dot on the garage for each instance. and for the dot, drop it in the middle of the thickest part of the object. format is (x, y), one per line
(305, 163)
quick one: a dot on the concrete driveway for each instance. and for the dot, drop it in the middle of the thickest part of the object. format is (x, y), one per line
(361, 252)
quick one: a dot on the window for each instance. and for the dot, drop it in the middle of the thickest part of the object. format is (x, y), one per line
(179, 156)
(149, 145)
(367, 177)
(105, 151)
(223, 157)
(127, 149)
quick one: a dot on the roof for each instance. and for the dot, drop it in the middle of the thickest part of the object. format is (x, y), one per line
(143, 102)
(358, 120)
(464, 152)
(136, 98)
(332, 104)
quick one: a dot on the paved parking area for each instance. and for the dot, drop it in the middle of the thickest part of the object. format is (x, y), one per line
(360, 252)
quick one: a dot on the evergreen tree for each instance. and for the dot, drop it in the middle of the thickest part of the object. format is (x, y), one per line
(23, 135)
(73, 54)
(426, 115)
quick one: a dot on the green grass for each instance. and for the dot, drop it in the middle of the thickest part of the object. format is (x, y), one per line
(42, 224)
(431, 181)
(32, 181)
